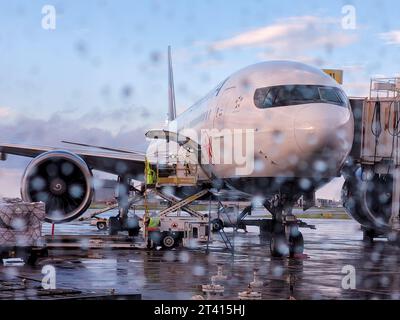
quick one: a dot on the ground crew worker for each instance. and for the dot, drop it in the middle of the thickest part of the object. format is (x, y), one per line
(153, 230)
(150, 174)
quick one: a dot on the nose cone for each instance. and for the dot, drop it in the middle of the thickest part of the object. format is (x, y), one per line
(324, 134)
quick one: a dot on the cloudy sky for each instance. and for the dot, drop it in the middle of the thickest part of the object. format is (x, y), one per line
(100, 76)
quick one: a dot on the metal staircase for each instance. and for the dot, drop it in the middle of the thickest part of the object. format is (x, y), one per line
(225, 239)
(228, 244)
(246, 211)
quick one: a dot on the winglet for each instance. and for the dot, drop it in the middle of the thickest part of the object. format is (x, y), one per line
(171, 90)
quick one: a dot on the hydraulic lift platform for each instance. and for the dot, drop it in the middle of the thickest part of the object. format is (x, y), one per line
(174, 228)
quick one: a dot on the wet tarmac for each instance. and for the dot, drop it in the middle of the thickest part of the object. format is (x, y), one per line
(179, 274)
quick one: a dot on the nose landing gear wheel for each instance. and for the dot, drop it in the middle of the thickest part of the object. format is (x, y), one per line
(296, 244)
(281, 247)
(278, 245)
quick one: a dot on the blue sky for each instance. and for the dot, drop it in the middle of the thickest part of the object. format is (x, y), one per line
(101, 49)
(104, 67)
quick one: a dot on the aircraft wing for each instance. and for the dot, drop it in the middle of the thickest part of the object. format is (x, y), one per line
(111, 162)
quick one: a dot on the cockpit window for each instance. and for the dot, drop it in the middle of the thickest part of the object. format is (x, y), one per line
(287, 95)
(328, 94)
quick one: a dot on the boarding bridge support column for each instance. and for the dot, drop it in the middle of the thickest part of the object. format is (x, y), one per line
(394, 218)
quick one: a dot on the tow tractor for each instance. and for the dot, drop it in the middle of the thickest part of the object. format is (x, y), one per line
(181, 230)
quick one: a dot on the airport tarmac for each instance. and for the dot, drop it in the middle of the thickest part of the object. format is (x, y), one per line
(179, 274)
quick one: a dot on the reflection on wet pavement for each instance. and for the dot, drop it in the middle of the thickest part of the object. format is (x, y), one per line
(179, 274)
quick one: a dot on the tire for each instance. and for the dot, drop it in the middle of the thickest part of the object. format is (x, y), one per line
(296, 244)
(368, 236)
(278, 245)
(168, 242)
(217, 225)
(241, 225)
(114, 226)
(101, 226)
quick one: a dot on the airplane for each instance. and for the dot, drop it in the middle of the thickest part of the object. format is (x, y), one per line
(295, 120)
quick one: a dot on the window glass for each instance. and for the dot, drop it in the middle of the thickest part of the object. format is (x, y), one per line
(287, 95)
(307, 93)
(283, 95)
(343, 97)
(329, 94)
(269, 98)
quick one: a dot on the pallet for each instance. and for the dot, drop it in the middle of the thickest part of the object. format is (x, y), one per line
(28, 254)
(92, 242)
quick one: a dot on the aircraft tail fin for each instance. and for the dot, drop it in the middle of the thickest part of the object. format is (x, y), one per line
(171, 89)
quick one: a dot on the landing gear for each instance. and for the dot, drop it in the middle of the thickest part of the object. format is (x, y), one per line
(278, 245)
(286, 241)
(114, 225)
(296, 244)
(122, 222)
(368, 236)
(286, 238)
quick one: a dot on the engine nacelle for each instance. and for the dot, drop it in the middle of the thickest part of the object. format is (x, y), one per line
(368, 199)
(63, 181)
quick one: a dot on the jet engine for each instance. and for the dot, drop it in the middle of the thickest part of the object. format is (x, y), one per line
(63, 181)
(367, 197)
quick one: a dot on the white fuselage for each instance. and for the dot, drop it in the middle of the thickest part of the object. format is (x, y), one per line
(298, 140)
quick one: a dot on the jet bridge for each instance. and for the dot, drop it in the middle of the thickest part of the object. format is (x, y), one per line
(371, 193)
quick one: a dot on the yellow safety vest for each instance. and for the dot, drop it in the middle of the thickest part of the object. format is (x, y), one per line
(149, 174)
(154, 222)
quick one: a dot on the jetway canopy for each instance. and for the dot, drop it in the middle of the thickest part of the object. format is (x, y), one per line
(377, 125)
